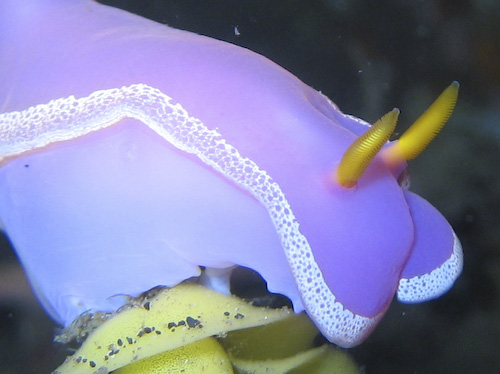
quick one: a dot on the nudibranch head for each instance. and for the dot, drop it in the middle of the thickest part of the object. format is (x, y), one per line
(133, 172)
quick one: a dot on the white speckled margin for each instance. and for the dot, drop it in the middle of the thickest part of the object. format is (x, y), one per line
(434, 284)
(68, 118)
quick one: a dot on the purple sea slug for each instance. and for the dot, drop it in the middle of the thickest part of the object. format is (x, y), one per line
(134, 153)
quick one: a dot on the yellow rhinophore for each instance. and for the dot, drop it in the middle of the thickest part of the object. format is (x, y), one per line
(424, 129)
(359, 155)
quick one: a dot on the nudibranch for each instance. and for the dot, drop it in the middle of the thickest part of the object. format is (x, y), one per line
(134, 153)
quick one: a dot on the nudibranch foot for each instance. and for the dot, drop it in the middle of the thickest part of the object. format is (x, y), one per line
(217, 279)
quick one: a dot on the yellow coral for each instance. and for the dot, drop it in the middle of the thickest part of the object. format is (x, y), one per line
(205, 356)
(173, 318)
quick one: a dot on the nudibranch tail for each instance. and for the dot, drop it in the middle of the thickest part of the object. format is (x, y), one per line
(425, 128)
(358, 156)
